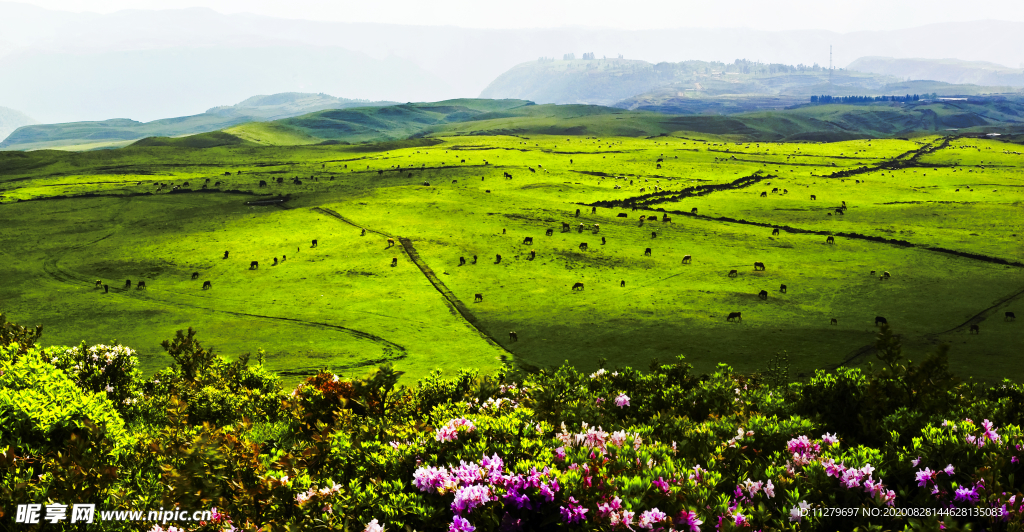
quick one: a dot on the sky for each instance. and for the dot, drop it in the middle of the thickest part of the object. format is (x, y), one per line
(862, 15)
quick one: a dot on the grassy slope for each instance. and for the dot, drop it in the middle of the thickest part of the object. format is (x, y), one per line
(665, 309)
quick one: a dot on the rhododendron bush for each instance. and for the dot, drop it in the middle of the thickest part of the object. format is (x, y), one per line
(523, 449)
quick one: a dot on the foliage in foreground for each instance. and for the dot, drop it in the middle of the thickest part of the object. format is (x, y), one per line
(904, 445)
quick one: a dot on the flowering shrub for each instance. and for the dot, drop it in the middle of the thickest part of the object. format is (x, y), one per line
(613, 450)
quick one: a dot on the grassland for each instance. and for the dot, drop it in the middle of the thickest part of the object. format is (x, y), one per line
(955, 257)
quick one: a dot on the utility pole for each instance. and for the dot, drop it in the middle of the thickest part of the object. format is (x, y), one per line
(830, 64)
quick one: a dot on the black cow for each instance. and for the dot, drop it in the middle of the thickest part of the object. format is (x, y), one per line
(686, 259)
(207, 285)
(394, 262)
(782, 288)
(565, 227)
(478, 298)
(225, 254)
(314, 243)
(693, 210)
(813, 197)
(497, 259)
(362, 233)
(758, 266)
(763, 294)
(280, 180)
(195, 275)
(830, 240)
(275, 262)
(764, 194)
(603, 241)
(380, 172)
(593, 210)
(880, 320)
(647, 252)
(738, 316)
(577, 213)
(128, 283)
(533, 254)
(622, 283)
(99, 284)
(975, 329)
(583, 246)
(263, 183)
(474, 259)
(106, 289)
(549, 232)
(254, 265)
(462, 261)
(577, 286)
(141, 285)
(733, 273)
(622, 215)
(1009, 316)
(834, 322)
(775, 232)
(528, 240)
(513, 337)
(839, 211)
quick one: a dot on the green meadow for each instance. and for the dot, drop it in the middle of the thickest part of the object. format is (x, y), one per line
(942, 216)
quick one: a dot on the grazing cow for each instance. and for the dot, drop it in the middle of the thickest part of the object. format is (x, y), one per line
(225, 254)
(579, 229)
(830, 240)
(314, 243)
(577, 213)
(693, 210)
(647, 252)
(474, 259)
(764, 194)
(763, 294)
(195, 275)
(738, 316)
(502, 230)
(813, 197)
(621, 215)
(362, 233)
(654, 234)
(141, 285)
(583, 246)
(839, 212)
(99, 284)
(642, 218)
(391, 242)
(497, 259)
(622, 283)
(185, 184)
(426, 183)
(784, 191)
(686, 259)
(597, 228)
(733, 273)
(593, 210)
(577, 286)
(828, 214)
(254, 265)
(513, 337)
(533, 254)
(782, 288)
(207, 285)
(394, 262)
(462, 261)
(479, 298)
(872, 272)
(775, 232)
(603, 241)
(666, 219)
(280, 180)
(834, 322)
(758, 266)
(380, 172)
(549, 232)
(974, 329)
(885, 275)
(532, 170)
(774, 190)
(275, 262)
(660, 160)
(297, 181)
(453, 181)
(565, 227)
(106, 289)
(528, 240)
(128, 283)
(880, 320)
(263, 184)
(1009, 316)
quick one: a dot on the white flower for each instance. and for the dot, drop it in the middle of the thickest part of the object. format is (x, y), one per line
(109, 389)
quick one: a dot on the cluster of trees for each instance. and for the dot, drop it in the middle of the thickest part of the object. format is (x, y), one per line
(865, 99)
(744, 66)
(568, 57)
(545, 59)
(590, 55)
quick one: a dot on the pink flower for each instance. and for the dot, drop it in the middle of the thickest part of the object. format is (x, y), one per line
(450, 431)
(797, 512)
(622, 400)
(373, 526)
(650, 517)
(690, 519)
(575, 513)
(560, 453)
(989, 432)
(949, 470)
(829, 439)
(460, 524)
(915, 461)
(469, 497)
(769, 489)
(925, 476)
(662, 485)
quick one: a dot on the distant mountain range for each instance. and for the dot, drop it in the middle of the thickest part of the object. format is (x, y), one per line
(11, 120)
(121, 132)
(60, 66)
(948, 70)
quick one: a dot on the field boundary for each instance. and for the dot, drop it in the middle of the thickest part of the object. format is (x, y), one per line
(453, 302)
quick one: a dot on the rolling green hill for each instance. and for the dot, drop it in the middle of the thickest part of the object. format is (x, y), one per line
(121, 132)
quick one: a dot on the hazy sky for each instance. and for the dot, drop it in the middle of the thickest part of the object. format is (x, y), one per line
(632, 14)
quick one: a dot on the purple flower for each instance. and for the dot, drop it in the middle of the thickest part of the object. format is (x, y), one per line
(560, 453)
(967, 495)
(769, 489)
(432, 479)
(622, 400)
(460, 524)
(949, 470)
(989, 433)
(469, 497)
(915, 461)
(662, 485)
(829, 439)
(925, 476)
(574, 513)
